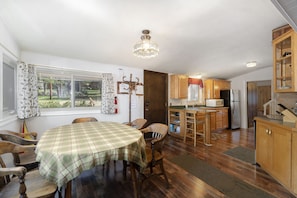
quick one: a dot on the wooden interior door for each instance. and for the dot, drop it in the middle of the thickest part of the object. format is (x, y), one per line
(155, 97)
(258, 93)
(251, 102)
(264, 95)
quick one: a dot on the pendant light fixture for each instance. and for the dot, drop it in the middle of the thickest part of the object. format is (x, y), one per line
(146, 48)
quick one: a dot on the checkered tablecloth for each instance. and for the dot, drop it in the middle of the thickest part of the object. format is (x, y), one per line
(66, 151)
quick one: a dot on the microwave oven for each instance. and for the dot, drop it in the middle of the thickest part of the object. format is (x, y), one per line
(214, 102)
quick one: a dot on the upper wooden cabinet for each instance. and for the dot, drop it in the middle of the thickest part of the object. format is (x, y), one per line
(285, 59)
(213, 87)
(178, 86)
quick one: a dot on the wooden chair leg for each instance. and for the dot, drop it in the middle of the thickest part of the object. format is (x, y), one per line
(125, 165)
(151, 169)
(164, 173)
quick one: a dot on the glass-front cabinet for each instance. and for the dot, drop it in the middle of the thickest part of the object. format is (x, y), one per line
(284, 54)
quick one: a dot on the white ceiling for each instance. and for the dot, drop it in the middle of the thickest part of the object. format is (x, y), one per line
(213, 37)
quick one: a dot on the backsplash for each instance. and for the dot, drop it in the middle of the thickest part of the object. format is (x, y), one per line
(183, 102)
(287, 99)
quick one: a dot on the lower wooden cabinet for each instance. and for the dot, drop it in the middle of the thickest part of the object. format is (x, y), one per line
(176, 120)
(274, 151)
(281, 155)
(263, 145)
(294, 162)
(225, 121)
(213, 121)
(219, 119)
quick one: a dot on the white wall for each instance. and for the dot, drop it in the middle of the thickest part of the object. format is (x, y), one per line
(240, 82)
(7, 44)
(9, 48)
(46, 120)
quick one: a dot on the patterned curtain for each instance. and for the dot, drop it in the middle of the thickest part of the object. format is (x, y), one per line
(107, 106)
(27, 95)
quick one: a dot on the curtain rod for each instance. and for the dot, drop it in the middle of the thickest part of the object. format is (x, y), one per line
(46, 66)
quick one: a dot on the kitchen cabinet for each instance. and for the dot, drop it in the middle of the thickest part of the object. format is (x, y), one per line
(218, 119)
(284, 62)
(176, 122)
(212, 121)
(214, 86)
(294, 162)
(225, 120)
(274, 149)
(178, 86)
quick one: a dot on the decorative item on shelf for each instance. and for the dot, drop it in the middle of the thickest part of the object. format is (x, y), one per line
(286, 54)
(146, 48)
(127, 86)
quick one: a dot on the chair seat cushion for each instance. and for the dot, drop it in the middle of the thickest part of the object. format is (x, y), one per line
(35, 184)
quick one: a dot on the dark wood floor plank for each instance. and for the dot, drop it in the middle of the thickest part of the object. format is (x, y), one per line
(96, 183)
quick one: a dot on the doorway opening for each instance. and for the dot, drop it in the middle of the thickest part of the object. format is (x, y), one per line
(258, 93)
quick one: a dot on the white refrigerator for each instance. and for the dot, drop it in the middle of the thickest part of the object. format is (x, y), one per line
(232, 100)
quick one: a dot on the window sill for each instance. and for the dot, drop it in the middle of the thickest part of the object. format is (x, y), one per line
(69, 112)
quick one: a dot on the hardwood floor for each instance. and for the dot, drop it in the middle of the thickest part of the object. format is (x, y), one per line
(96, 183)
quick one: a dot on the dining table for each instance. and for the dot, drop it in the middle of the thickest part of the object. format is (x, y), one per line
(66, 151)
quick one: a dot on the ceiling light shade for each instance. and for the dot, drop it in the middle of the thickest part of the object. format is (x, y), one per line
(145, 48)
(251, 64)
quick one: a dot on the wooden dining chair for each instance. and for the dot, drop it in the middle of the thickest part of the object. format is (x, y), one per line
(27, 159)
(84, 119)
(137, 123)
(155, 136)
(31, 135)
(17, 181)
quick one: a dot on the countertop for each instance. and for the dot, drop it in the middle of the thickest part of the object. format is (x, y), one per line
(194, 108)
(280, 123)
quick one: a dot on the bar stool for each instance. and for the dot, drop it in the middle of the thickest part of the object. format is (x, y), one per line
(194, 125)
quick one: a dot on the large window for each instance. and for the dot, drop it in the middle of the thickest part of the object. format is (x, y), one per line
(8, 86)
(68, 89)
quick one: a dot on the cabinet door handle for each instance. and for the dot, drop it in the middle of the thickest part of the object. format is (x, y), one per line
(267, 131)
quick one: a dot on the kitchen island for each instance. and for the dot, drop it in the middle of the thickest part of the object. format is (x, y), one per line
(215, 118)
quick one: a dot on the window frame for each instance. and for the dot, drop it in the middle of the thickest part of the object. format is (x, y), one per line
(10, 62)
(72, 74)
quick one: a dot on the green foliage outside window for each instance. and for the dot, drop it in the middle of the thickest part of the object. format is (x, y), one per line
(55, 91)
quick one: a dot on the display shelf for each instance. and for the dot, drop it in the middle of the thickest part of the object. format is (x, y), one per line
(284, 58)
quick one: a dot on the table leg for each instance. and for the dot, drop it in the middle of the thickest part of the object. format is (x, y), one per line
(134, 179)
(68, 189)
(207, 137)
